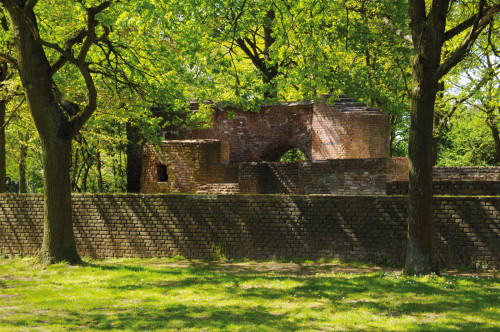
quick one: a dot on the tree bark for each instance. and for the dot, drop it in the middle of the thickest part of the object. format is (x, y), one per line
(491, 121)
(420, 257)
(85, 178)
(3, 108)
(58, 239)
(99, 172)
(134, 159)
(428, 38)
(3, 170)
(435, 148)
(56, 133)
(23, 153)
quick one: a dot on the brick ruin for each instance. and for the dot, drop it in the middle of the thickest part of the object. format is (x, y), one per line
(347, 146)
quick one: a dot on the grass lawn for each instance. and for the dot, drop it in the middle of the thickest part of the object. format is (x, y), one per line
(170, 294)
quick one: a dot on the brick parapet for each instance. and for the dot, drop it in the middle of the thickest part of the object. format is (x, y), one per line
(466, 173)
(366, 228)
(451, 187)
(335, 176)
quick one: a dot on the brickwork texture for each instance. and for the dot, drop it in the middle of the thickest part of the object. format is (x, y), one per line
(345, 130)
(453, 181)
(366, 228)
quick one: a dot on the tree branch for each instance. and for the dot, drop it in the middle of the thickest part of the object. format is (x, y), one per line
(14, 112)
(66, 54)
(9, 59)
(91, 25)
(481, 21)
(384, 18)
(462, 100)
(470, 21)
(400, 33)
(459, 28)
(29, 5)
(257, 61)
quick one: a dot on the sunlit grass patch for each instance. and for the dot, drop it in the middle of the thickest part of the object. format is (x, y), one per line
(176, 294)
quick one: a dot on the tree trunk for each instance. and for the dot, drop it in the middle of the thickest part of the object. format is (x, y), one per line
(58, 240)
(271, 71)
(491, 121)
(134, 159)
(420, 257)
(435, 148)
(55, 130)
(23, 153)
(420, 249)
(99, 172)
(3, 171)
(85, 178)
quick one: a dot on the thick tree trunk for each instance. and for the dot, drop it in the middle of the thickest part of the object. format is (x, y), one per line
(23, 153)
(420, 258)
(58, 240)
(55, 130)
(3, 171)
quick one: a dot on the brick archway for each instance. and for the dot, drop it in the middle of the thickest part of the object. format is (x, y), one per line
(274, 152)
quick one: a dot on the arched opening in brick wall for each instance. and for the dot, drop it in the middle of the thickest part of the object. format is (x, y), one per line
(294, 154)
(161, 173)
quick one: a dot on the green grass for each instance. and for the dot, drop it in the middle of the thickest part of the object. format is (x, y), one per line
(173, 294)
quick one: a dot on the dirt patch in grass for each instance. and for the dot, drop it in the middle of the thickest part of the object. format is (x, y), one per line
(306, 269)
(472, 274)
(303, 269)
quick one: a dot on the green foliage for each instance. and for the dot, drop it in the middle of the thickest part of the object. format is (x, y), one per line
(293, 155)
(168, 52)
(173, 294)
(471, 91)
(467, 141)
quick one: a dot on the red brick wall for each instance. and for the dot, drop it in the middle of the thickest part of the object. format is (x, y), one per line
(349, 130)
(269, 178)
(398, 169)
(466, 173)
(368, 228)
(451, 180)
(451, 187)
(343, 176)
(335, 176)
(346, 130)
(189, 164)
(265, 135)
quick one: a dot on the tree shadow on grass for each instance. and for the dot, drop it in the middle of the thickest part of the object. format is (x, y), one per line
(374, 293)
(182, 317)
(209, 274)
